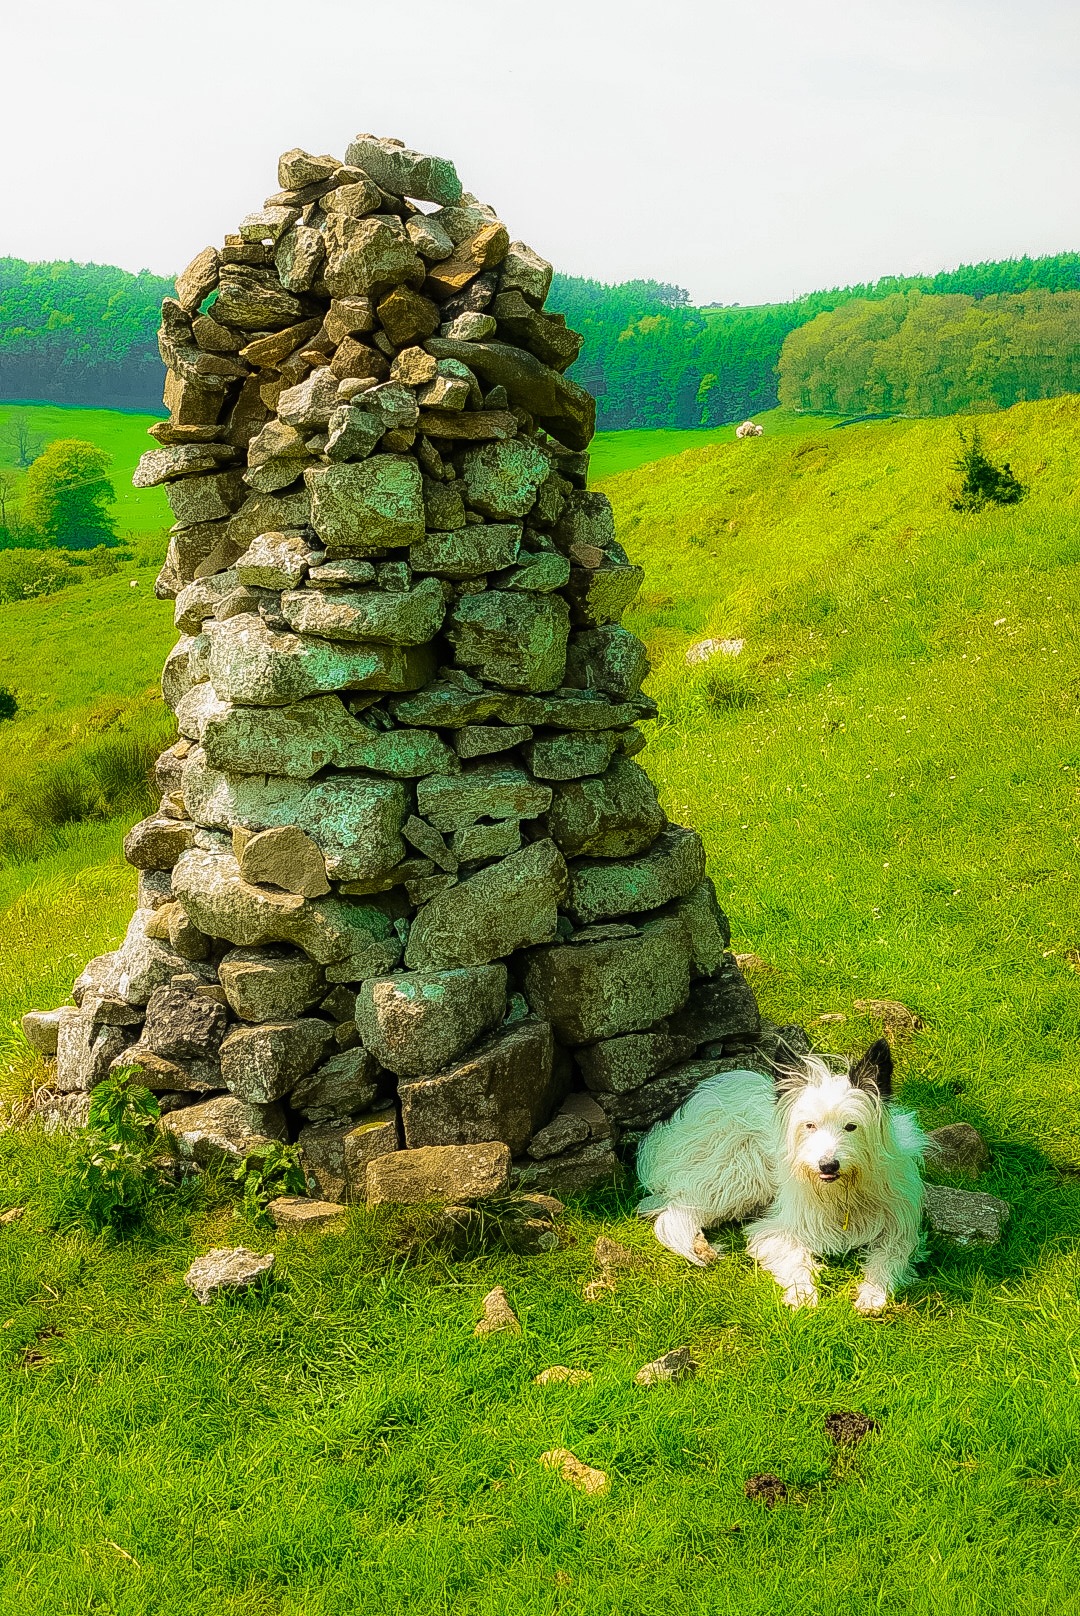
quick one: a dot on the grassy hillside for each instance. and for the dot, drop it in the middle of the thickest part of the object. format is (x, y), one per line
(886, 780)
(121, 433)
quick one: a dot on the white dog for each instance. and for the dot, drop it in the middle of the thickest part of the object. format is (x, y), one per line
(822, 1157)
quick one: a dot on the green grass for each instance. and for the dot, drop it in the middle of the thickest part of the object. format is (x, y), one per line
(614, 452)
(121, 433)
(886, 780)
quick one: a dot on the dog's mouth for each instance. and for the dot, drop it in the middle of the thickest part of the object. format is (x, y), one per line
(830, 1176)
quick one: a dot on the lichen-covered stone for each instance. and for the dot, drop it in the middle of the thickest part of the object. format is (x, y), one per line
(269, 984)
(260, 667)
(511, 639)
(411, 617)
(343, 1086)
(597, 990)
(601, 889)
(467, 552)
(418, 1021)
(260, 1063)
(304, 738)
(615, 1065)
(502, 1090)
(439, 1173)
(371, 505)
(485, 791)
(502, 479)
(373, 1136)
(613, 815)
(285, 857)
(230, 1270)
(571, 757)
(223, 1128)
(503, 907)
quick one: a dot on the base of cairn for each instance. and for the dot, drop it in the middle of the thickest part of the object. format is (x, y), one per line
(406, 889)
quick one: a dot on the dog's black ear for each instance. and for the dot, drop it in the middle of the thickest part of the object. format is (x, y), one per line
(789, 1070)
(874, 1072)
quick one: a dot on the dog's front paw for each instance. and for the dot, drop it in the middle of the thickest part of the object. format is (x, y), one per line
(870, 1298)
(800, 1296)
(704, 1252)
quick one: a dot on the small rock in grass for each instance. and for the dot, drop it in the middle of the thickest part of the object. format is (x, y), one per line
(12, 1215)
(560, 1375)
(674, 1365)
(610, 1254)
(846, 1427)
(959, 1148)
(571, 1469)
(967, 1216)
(228, 1268)
(596, 1288)
(767, 1490)
(895, 1016)
(499, 1317)
(299, 1212)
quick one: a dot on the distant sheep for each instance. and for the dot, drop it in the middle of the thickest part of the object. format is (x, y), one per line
(749, 429)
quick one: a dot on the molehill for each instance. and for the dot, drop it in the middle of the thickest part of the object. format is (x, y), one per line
(406, 887)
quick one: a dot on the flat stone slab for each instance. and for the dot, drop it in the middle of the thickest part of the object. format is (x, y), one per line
(298, 1212)
(967, 1216)
(439, 1173)
(228, 1270)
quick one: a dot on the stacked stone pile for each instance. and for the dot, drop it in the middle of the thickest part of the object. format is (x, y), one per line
(407, 890)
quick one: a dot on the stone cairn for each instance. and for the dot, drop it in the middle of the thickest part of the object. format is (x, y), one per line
(406, 887)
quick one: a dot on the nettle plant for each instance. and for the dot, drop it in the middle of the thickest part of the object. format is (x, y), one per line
(116, 1174)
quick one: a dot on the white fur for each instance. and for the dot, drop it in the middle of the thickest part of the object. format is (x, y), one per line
(737, 1148)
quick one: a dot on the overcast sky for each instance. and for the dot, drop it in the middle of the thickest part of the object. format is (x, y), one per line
(745, 149)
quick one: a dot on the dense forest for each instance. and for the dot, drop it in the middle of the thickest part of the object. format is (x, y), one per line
(913, 353)
(85, 334)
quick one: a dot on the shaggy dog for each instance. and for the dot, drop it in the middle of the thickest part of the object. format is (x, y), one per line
(823, 1159)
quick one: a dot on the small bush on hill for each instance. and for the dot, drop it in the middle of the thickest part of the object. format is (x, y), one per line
(9, 705)
(984, 483)
(67, 494)
(27, 573)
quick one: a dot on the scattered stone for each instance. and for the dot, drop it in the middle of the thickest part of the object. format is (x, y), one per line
(560, 1375)
(594, 1290)
(499, 1317)
(967, 1216)
(674, 1365)
(570, 1468)
(611, 1254)
(895, 1017)
(959, 1148)
(228, 1270)
(298, 1212)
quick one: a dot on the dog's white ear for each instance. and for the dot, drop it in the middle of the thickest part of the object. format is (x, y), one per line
(874, 1072)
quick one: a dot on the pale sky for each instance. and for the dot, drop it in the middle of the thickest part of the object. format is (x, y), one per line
(745, 149)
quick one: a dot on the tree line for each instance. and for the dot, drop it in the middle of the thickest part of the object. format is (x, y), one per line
(914, 353)
(85, 334)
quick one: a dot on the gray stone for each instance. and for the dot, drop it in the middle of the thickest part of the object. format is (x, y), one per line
(223, 1129)
(439, 1173)
(199, 600)
(353, 433)
(468, 552)
(180, 1076)
(511, 639)
(569, 756)
(229, 1271)
(142, 963)
(560, 406)
(283, 857)
(354, 939)
(417, 1022)
(429, 238)
(503, 907)
(322, 1146)
(195, 283)
(955, 1148)
(600, 596)
(269, 513)
(156, 843)
(354, 820)
(485, 791)
(707, 927)
(297, 168)
(309, 405)
(524, 271)
(85, 1051)
(484, 841)
(184, 1022)
(274, 561)
(258, 667)
(541, 571)
(563, 1132)
(502, 479)
(342, 1086)
(299, 257)
(597, 990)
(159, 466)
(604, 888)
(411, 617)
(545, 335)
(613, 815)
(673, 1366)
(41, 1029)
(610, 659)
(571, 1172)
(205, 499)
(470, 327)
(261, 1063)
(374, 1136)
(658, 1099)
(720, 1006)
(966, 1216)
(616, 1065)
(367, 255)
(357, 508)
(269, 984)
(481, 740)
(187, 664)
(404, 172)
(344, 574)
(306, 737)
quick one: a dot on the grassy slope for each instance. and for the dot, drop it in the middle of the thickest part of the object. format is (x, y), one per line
(614, 452)
(886, 784)
(121, 433)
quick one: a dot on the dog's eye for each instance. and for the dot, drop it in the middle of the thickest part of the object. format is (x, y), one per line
(810, 1126)
(849, 1127)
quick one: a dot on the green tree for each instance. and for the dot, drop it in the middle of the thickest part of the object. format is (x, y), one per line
(67, 495)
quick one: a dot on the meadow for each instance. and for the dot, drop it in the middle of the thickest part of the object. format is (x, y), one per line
(886, 781)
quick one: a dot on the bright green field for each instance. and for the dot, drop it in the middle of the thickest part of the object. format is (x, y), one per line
(886, 780)
(614, 452)
(121, 433)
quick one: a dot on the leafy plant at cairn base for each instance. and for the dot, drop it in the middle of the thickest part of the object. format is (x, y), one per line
(115, 1176)
(984, 483)
(268, 1171)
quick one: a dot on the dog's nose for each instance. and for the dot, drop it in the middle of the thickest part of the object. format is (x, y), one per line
(829, 1168)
